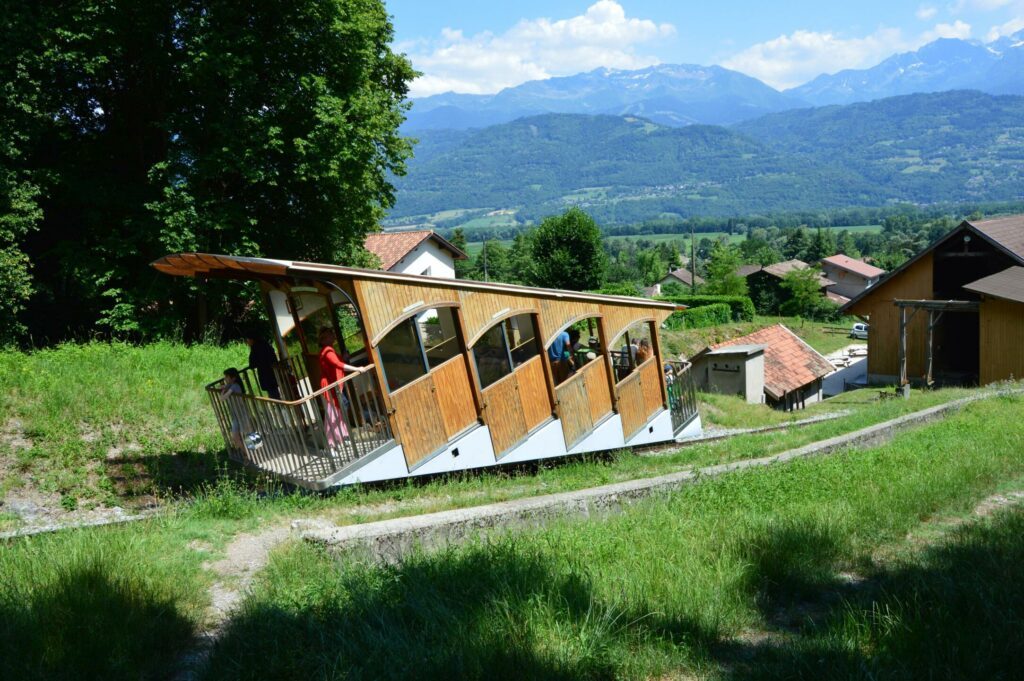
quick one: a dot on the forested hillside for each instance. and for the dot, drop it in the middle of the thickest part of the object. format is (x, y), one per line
(922, 149)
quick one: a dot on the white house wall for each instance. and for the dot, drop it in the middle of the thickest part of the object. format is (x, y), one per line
(427, 256)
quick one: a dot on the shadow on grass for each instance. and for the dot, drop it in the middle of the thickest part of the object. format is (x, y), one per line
(486, 613)
(956, 611)
(175, 474)
(88, 624)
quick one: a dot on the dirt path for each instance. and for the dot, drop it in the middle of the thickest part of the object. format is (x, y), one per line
(243, 559)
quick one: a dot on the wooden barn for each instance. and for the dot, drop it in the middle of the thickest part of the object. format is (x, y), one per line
(452, 375)
(952, 314)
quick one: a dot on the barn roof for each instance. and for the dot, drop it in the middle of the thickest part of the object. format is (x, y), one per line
(1005, 234)
(781, 269)
(789, 363)
(1008, 284)
(391, 247)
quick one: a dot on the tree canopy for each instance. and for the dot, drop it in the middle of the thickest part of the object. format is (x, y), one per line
(567, 252)
(135, 129)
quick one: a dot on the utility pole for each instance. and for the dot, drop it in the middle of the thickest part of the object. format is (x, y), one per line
(485, 261)
(693, 263)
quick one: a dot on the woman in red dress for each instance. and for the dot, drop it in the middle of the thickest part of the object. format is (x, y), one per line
(332, 370)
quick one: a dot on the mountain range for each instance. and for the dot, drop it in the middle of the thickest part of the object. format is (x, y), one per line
(682, 94)
(922, 148)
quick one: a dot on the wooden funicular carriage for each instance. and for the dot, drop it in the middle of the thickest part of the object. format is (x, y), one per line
(457, 373)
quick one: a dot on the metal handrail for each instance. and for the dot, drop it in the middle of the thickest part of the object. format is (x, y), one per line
(682, 393)
(306, 440)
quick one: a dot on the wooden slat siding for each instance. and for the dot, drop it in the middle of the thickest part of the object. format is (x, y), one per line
(914, 283)
(598, 394)
(574, 410)
(418, 419)
(618, 318)
(556, 314)
(1002, 340)
(362, 303)
(504, 413)
(631, 404)
(454, 396)
(479, 310)
(651, 375)
(533, 393)
(386, 303)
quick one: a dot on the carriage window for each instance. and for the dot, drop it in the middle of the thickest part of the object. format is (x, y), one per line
(522, 338)
(582, 348)
(503, 347)
(437, 329)
(491, 356)
(417, 345)
(631, 349)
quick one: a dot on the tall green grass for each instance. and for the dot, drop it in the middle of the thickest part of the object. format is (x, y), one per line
(676, 585)
(116, 603)
(78, 403)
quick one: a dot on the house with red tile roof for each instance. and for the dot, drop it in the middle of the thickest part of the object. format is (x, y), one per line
(415, 252)
(793, 370)
(851, 276)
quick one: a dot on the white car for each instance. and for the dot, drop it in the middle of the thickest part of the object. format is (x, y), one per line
(859, 330)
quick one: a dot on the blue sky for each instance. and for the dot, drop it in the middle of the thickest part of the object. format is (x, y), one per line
(481, 47)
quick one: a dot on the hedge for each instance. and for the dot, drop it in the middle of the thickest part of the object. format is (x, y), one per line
(699, 317)
(741, 306)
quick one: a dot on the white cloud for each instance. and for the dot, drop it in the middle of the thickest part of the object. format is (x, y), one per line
(1009, 28)
(534, 49)
(924, 12)
(958, 29)
(790, 60)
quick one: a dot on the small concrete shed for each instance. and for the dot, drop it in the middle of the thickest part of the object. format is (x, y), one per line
(732, 370)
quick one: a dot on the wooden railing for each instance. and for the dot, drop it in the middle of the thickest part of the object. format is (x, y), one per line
(682, 393)
(304, 440)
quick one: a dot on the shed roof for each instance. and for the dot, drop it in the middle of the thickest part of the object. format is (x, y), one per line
(789, 363)
(1008, 284)
(745, 349)
(849, 264)
(391, 247)
(746, 270)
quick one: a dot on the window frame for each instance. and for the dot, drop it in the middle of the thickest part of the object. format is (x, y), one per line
(457, 337)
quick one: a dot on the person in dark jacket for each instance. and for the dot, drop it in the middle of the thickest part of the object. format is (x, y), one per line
(262, 358)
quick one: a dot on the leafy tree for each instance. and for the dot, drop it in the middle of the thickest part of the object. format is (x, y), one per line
(463, 268)
(803, 292)
(651, 267)
(567, 252)
(261, 128)
(721, 276)
(492, 262)
(846, 245)
(521, 258)
(822, 245)
(674, 288)
(796, 245)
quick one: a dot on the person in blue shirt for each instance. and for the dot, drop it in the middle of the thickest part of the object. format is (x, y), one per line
(558, 353)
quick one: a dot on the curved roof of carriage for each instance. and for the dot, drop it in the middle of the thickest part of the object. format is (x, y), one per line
(218, 266)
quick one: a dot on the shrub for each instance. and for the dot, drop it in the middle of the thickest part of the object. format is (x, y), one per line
(741, 306)
(700, 317)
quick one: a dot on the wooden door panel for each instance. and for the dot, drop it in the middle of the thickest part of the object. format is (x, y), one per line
(598, 394)
(574, 410)
(631, 404)
(418, 420)
(533, 393)
(454, 396)
(504, 414)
